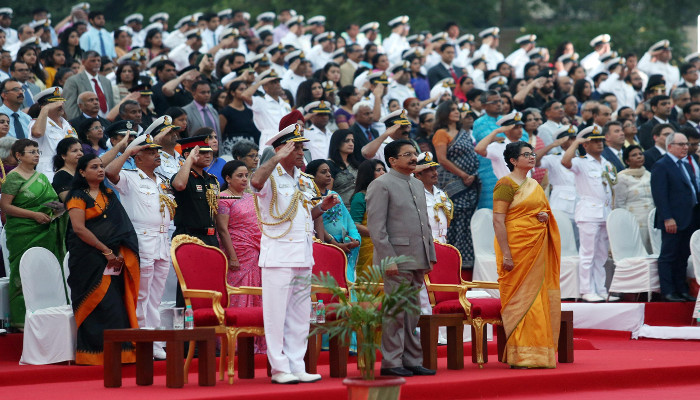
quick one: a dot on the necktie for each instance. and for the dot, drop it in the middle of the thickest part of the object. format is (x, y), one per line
(29, 100)
(690, 161)
(100, 96)
(208, 121)
(687, 178)
(454, 75)
(368, 133)
(102, 44)
(213, 38)
(19, 131)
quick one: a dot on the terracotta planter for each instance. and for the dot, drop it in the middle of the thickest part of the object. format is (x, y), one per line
(381, 388)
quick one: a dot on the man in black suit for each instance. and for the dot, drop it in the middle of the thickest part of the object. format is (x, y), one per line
(362, 128)
(614, 141)
(89, 107)
(659, 133)
(680, 97)
(691, 111)
(675, 194)
(661, 107)
(689, 75)
(445, 69)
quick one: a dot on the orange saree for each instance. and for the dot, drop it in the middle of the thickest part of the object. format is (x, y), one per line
(530, 296)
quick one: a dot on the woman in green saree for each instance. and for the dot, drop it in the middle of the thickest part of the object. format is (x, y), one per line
(31, 206)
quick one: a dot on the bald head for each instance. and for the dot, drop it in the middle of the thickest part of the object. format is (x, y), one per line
(89, 104)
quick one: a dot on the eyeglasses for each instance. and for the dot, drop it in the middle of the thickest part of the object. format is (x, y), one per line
(17, 89)
(493, 102)
(686, 144)
(253, 156)
(528, 154)
(409, 154)
(97, 128)
(22, 70)
(33, 152)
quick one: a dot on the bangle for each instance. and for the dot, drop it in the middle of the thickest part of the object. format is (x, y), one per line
(321, 208)
(506, 258)
(106, 254)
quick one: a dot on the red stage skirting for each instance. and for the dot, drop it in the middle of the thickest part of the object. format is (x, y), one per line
(607, 365)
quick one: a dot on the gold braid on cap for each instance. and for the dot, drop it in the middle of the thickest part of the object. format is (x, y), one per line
(213, 199)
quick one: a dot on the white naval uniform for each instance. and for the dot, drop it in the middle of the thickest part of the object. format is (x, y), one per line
(394, 45)
(623, 91)
(563, 196)
(517, 60)
(491, 56)
(669, 72)
(175, 38)
(594, 205)
(380, 153)
(53, 134)
(169, 166)
(179, 55)
(286, 302)
(398, 92)
(291, 82)
(11, 36)
(319, 58)
(319, 142)
(267, 113)
(590, 62)
(140, 196)
(494, 152)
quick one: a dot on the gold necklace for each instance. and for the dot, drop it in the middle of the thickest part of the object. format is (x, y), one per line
(102, 210)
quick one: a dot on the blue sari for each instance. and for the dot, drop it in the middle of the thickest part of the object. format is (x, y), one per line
(339, 224)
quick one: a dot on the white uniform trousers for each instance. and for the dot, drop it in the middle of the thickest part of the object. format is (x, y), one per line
(286, 313)
(154, 273)
(593, 253)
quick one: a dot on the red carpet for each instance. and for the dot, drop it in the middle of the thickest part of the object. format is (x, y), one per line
(607, 366)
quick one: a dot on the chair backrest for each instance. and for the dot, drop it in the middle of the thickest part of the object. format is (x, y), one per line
(695, 254)
(42, 281)
(199, 267)
(447, 270)
(623, 233)
(654, 234)
(330, 259)
(66, 273)
(482, 231)
(566, 232)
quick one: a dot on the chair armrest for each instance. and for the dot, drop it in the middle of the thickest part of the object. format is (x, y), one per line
(321, 289)
(207, 294)
(249, 290)
(481, 284)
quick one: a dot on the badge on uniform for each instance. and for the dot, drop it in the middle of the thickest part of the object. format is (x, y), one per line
(210, 231)
(199, 188)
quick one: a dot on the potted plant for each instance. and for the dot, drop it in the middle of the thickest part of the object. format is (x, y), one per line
(361, 311)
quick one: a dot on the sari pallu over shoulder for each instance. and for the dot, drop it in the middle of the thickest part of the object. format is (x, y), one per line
(530, 297)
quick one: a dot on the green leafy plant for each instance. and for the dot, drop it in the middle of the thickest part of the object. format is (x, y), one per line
(363, 308)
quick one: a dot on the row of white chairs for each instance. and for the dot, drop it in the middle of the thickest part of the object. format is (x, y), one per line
(636, 271)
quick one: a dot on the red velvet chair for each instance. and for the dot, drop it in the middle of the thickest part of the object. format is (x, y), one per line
(447, 292)
(201, 271)
(332, 260)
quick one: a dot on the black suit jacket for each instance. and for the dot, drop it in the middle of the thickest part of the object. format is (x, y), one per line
(75, 122)
(644, 135)
(610, 155)
(439, 72)
(651, 156)
(361, 140)
(672, 193)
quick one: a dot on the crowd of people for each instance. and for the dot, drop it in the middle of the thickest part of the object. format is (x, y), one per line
(212, 127)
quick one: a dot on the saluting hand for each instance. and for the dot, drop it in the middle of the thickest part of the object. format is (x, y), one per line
(193, 154)
(286, 150)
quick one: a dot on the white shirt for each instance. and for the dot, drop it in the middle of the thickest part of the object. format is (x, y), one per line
(53, 134)
(595, 193)
(140, 196)
(622, 90)
(169, 165)
(398, 92)
(179, 55)
(300, 42)
(319, 142)
(293, 249)
(546, 131)
(563, 196)
(291, 82)
(267, 113)
(318, 57)
(494, 152)
(174, 39)
(591, 61)
(491, 55)
(11, 36)
(436, 216)
(517, 60)
(394, 45)
(669, 72)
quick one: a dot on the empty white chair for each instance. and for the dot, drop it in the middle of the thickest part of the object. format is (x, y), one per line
(695, 254)
(66, 272)
(49, 327)
(635, 270)
(654, 234)
(485, 268)
(568, 280)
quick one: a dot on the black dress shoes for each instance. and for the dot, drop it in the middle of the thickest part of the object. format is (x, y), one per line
(420, 370)
(674, 298)
(688, 297)
(398, 371)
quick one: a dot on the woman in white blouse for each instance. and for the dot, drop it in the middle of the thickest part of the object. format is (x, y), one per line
(633, 190)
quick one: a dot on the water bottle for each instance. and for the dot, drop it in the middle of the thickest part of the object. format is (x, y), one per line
(189, 318)
(320, 312)
(312, 317)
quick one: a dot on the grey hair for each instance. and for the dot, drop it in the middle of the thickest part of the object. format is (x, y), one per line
(670, 137)
(361, 104)
(242, 148)
(678, 92)
(5, 146)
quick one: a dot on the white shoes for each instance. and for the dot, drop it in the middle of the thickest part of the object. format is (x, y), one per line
(159, 353)
(307, 378)
(592, 298)
(612, 298)
(285, 378)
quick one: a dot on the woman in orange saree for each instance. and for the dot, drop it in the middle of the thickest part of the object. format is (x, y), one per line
(528, 252)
